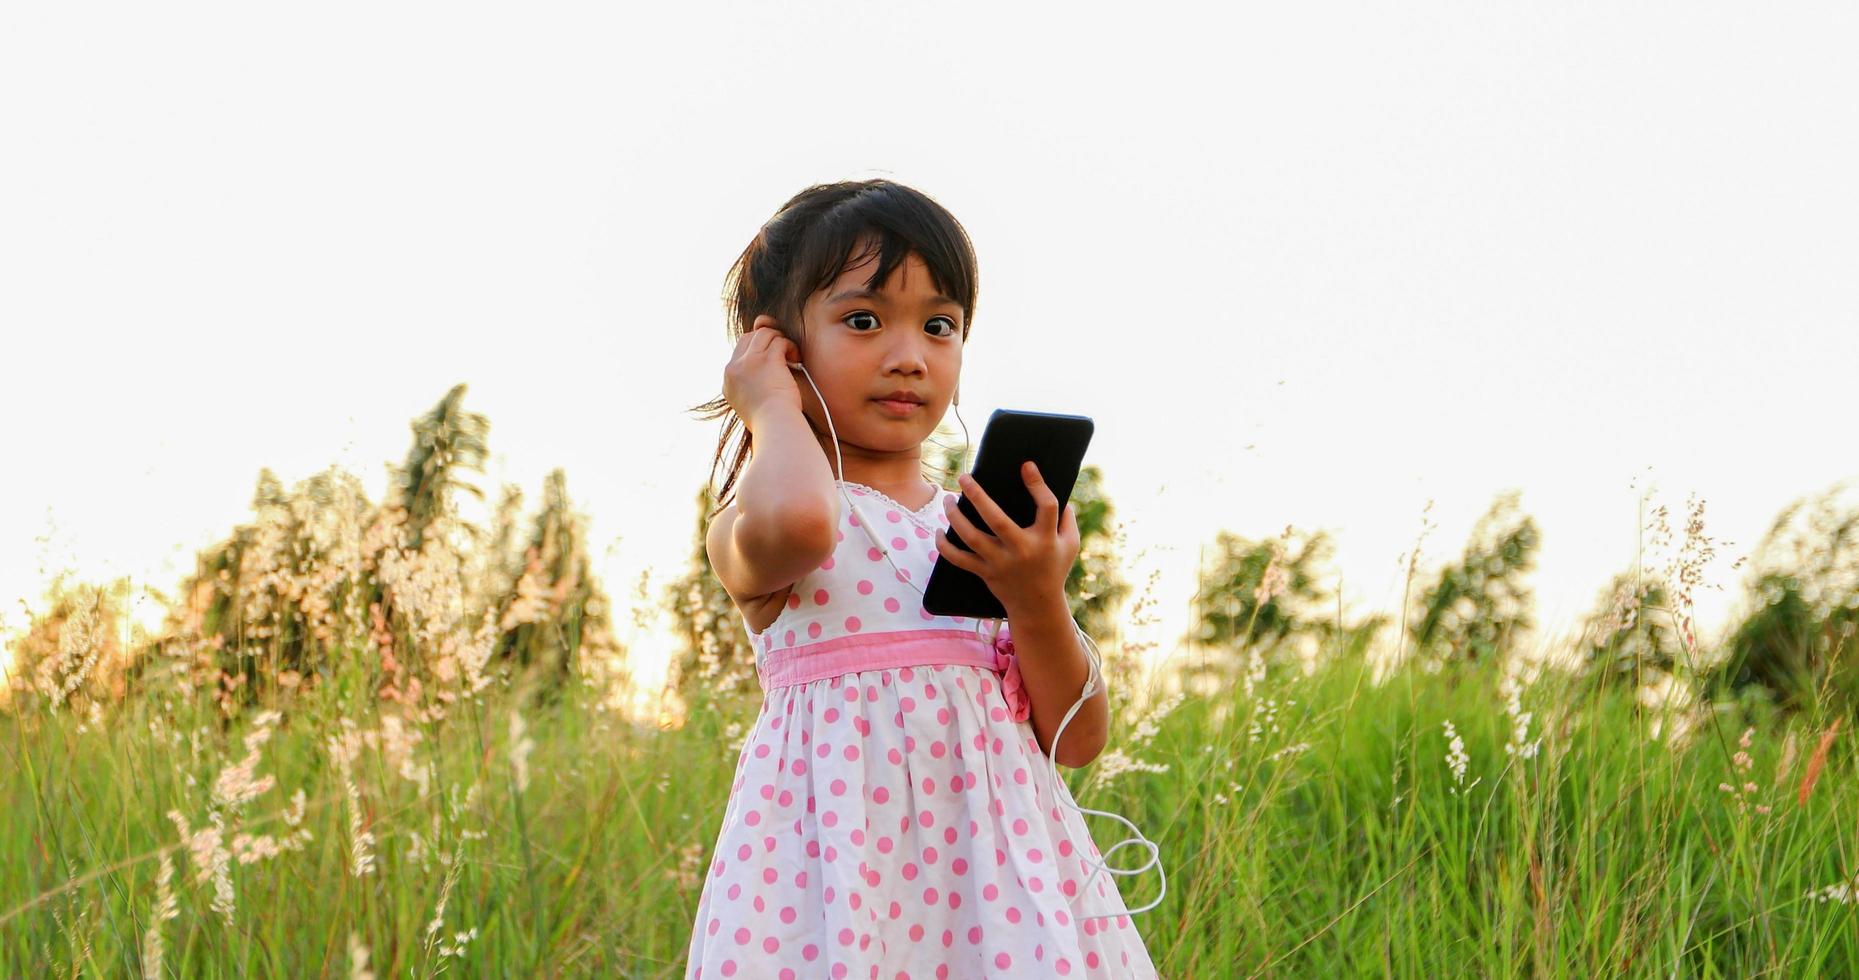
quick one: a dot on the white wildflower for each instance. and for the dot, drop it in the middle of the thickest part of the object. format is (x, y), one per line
(342, 748)
(1845, 892)
(165, 909)
(520, 747)
(235, 785)
(1518, 675)
(210, 857)
(1265, 721)
(358, 959)
(1456, 757)
(80, 644)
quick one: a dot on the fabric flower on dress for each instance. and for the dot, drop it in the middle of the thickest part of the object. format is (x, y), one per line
(1019, 705)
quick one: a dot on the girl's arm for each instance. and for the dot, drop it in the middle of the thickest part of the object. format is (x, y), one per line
(788, 507)
(1054, 665)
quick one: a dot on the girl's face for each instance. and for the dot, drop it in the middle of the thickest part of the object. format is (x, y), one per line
(861, 346)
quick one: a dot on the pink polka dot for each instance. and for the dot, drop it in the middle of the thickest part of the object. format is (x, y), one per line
(890, 605)
(893, 516)
(1019, 825)
(930, 895)
(787, 913)
(874, 554)
(853, 624)
(864, 586)
(1002, 960)
(793, 600)
(899, 543)
(851, 753)
(742, 936)
(838, 788)
(790, 637)
(1064, 966)
(810, 952)
(729, 968)
(921, 533)
(820, 596)
(813, 630)
(881, 795)
(845, 937)
(827, 565)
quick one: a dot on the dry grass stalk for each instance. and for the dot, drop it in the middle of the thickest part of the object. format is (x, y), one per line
(1817, 761)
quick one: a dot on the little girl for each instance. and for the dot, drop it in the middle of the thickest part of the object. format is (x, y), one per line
(892, 815)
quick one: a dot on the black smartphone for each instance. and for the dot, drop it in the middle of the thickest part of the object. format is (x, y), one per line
(1055, 443)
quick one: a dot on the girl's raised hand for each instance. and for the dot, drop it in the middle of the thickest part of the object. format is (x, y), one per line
(758, 376)
(1023, 566)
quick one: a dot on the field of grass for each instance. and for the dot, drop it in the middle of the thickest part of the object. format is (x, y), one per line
(1462, 821)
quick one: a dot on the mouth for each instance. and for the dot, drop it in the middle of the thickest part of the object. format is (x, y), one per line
(897, 406)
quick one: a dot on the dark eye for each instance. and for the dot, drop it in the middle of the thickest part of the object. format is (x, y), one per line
(953, 329)
(849, 316)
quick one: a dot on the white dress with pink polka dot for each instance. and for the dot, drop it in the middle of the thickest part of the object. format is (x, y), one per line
(891, 815)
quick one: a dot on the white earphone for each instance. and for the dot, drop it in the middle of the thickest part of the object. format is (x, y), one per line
(1058, 788)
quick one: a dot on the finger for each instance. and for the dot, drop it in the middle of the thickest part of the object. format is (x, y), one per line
(981, 542)
(1047, 501)
(955, 556)
(986, 507)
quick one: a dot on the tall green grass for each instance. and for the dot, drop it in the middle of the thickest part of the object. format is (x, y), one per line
(1310, 827)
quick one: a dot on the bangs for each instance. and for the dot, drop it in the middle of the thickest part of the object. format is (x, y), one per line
(890, 222)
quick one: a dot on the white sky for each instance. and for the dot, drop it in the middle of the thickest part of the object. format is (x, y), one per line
(1262, 247)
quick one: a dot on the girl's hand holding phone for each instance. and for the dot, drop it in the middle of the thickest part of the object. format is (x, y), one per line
(1022, 566)
(758, 376)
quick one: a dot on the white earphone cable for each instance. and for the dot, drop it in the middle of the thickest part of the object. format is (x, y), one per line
(1057, 786)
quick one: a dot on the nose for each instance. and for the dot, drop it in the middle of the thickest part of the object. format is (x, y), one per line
(907, 356)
